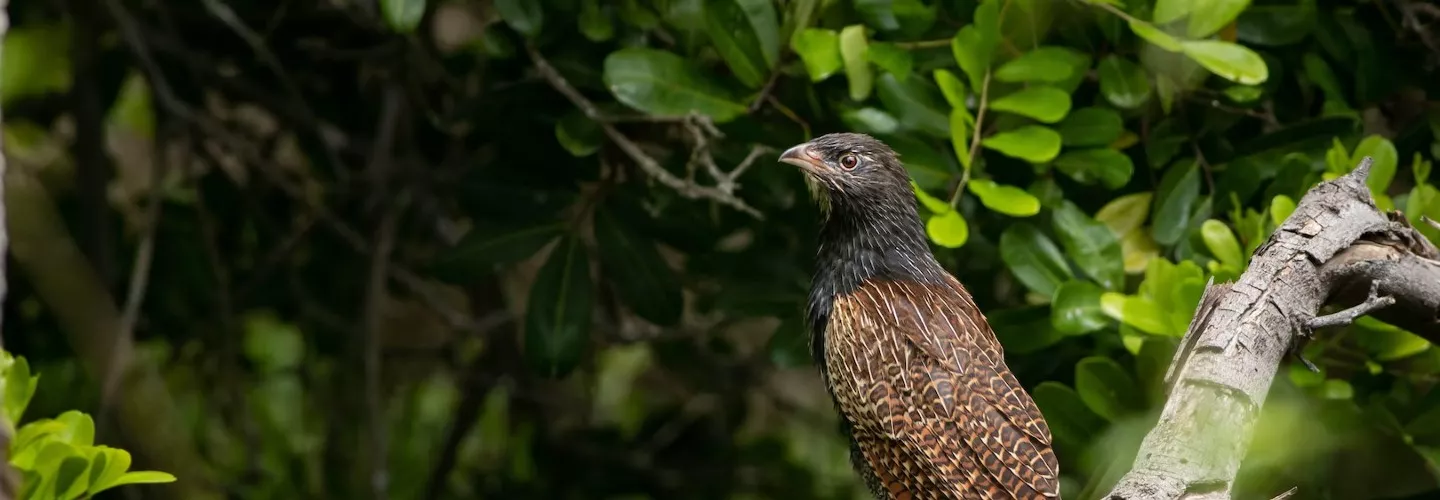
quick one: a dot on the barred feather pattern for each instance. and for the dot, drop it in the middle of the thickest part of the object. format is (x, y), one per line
(936, 414)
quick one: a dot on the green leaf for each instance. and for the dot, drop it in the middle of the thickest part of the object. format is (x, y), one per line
(892, 59)
(1092, 126)
(595, 22)
(1135, 311)
(480, 251)
(1168, 11)
(578, 134)
(144, 477)
(1109, 167)
(1153, 35)
(1126, 213)
(1046, 104)
(1387, 160)
(1076, 308)
(1179, 189)
(523, 16)
(960, 128)
(878, 13)
(854, 49)
(36, 59)
(1032, 143)
(1281, 207)
(1034, 259)
(1068, 417)
(1090, 244)
(931, 203)
(1222, 243)
(70, 478)
(402, 15)
(107, 465)
(1008, 200)
(928, 165)
(1046, 64)
(914, 103)
(1209, 16)
(272, 345)
(1228, 60)
(951, 86)
(872, 121)
(1106, 388)
(948, 229)
(637, 273)
(19, 388)
(557, 316)
(1123, 82)
(746, 34)
(1385, 342)
(79, 428)
(664, 84)
(819, 49)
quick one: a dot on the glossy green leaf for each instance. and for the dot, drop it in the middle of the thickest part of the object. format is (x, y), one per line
(1076, 308)
(1045, 104)
(1090, 244)
(1138, 312)
(870, 120)
(1092, 126)
(107, 466)
(1106, 388)
(1126, 213)
(948, 229)
(914, 103)
(746, 34)
(270, 344)
(951, 87)
(1387, 343)
(1070, 420)
(18, 389)
(891, 58)
(557, 315)
(1034, 259)
(1228, 60)
(1032, 143)
(927, 164)
(1108, 167)
(1123, 82)
(1222, 243)
(523, 16)
(1153, 35)
(1179, 190)
(36, 58)
(960, 128)
(1386, 162)
(578, 134)
(1046, 64)
(482, 249)
(664, 84)
(402, 15)
(930, 202)
(637, 273)
(1209, 16)
(1276, 25)
(854, 48)
(1168, 11)
(1008, 200)
(819, 49)
(70, 479)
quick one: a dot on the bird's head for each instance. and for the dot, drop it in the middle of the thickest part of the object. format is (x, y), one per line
(852, 169)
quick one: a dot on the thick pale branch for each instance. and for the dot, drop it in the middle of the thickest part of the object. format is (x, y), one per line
(1336, 247)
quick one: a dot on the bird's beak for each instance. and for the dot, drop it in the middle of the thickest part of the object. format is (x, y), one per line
(802, 157)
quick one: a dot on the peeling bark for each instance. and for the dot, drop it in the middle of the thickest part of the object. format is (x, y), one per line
(1337, 247)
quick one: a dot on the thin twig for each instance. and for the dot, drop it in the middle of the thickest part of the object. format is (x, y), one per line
(974, 140)
(924, 44)
(381, 169)
(631, 149)
(1372, 303)
(124, 340)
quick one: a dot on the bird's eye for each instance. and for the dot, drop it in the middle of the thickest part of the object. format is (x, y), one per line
(849, 161)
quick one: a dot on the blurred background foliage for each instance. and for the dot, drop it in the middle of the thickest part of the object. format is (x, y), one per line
(541, 249)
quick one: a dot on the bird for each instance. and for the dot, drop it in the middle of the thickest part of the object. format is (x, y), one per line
(916, 373)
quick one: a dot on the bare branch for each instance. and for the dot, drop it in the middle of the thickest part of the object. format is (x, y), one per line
(1372, 303)
(722, 193)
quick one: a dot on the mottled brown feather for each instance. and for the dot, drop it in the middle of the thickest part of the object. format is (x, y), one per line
(920, 376)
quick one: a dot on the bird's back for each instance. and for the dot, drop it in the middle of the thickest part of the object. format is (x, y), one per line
(934, 412)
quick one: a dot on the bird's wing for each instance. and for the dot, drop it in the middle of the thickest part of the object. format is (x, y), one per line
(952, 399)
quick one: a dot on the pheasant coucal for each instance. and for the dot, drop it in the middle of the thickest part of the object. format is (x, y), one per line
(915, 370)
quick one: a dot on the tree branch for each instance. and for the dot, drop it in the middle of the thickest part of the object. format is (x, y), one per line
(723, 193)
(1335, 247)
